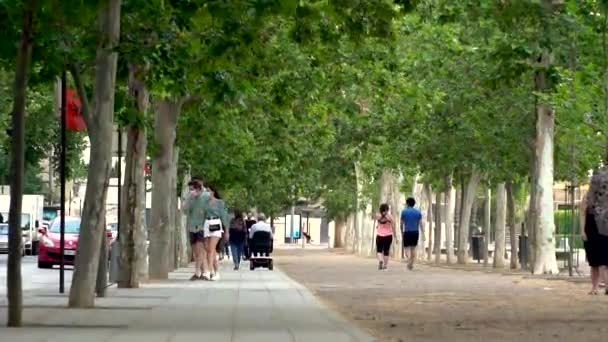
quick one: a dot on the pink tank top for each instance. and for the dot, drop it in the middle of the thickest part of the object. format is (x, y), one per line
(384, 229)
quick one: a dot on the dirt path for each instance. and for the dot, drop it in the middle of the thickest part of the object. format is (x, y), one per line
(436, 304)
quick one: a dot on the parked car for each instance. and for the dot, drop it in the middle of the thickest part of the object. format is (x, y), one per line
(112, 229)
(49, 251)
(4, 239)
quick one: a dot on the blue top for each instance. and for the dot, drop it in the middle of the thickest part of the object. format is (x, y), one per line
(410, 219)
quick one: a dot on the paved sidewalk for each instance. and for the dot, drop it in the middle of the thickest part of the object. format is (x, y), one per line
(243, 306)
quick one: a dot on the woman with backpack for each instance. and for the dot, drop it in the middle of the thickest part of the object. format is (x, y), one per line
(384, 225)
(236, 238)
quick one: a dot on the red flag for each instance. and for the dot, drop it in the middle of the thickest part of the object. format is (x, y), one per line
(74, 119)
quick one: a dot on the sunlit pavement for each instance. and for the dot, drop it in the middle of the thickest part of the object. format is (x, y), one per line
(246, 305)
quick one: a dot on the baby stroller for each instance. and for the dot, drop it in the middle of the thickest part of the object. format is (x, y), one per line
(261, 248)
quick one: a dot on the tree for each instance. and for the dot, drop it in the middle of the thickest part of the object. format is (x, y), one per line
(24, 53)
(132, 232)
(501, 220)
(99, 119)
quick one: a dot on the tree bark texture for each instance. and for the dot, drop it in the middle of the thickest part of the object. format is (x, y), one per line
(13, 271)
(501, 220)
(545, 261)
(101, 282)
(512, 226)
(99, 126)
(468, 199)
(162, 226)
(339, 232)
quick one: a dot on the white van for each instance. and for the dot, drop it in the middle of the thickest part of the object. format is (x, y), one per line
(31, 218)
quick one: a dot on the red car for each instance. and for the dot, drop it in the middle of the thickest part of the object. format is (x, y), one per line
(48, 253)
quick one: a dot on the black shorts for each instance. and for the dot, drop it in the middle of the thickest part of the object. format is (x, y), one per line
(196, 237)
(383, 244)
(410, 239)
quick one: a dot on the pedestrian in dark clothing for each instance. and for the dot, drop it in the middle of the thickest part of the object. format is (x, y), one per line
(595, 237)
(236, 238)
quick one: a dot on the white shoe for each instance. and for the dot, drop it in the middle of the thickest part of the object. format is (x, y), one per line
(207, 276)
(215, 276)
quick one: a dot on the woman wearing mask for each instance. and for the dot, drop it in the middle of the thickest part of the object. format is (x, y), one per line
(194, 206)
(384, 225)
(236, 238)
(215, 223)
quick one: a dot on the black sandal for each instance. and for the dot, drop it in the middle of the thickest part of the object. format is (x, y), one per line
(195, 277)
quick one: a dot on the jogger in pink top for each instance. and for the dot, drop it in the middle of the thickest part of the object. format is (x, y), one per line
(384, 225)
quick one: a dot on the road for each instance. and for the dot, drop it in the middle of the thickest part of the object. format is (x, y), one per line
(33, 278)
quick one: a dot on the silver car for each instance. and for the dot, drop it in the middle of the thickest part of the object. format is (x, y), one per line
(4, 239)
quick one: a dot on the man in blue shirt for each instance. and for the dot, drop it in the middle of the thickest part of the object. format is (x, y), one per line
(411, 225)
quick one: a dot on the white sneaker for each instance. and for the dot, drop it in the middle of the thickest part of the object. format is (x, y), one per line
(207, 276)
(215, 276)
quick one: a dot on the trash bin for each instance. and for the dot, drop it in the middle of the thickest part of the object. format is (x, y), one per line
(523, 251)
(477, 246)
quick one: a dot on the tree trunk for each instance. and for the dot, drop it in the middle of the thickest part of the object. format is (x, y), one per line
(438, 227)
(390, 193)
(544, 259)
(449, 221)
(184, 255)
(501, 220)
(101, 282)
(364, 221)
(13, 272)
(467, 203)
(339, 227)
(487, 227)
(161, 227)
(531, 216)
(99, 126)
(424, 205)
(430, 213)
(459, 203)
(174, 214)
(134, 181)
(511, 224)
(141, 240)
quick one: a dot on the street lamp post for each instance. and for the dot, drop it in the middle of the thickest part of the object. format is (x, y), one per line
(62, 162)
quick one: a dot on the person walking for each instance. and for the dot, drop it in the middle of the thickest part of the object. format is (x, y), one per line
(195, 206)
(249, 222)
(595, 239)
(236, 238)
(383, 225)
(411, 226)
(215, 223)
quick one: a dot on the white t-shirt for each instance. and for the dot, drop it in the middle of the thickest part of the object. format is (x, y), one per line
(260, 227)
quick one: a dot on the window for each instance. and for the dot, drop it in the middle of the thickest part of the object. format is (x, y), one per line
(71, 227)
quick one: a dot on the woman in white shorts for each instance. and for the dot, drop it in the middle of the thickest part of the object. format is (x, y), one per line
(216, 219)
